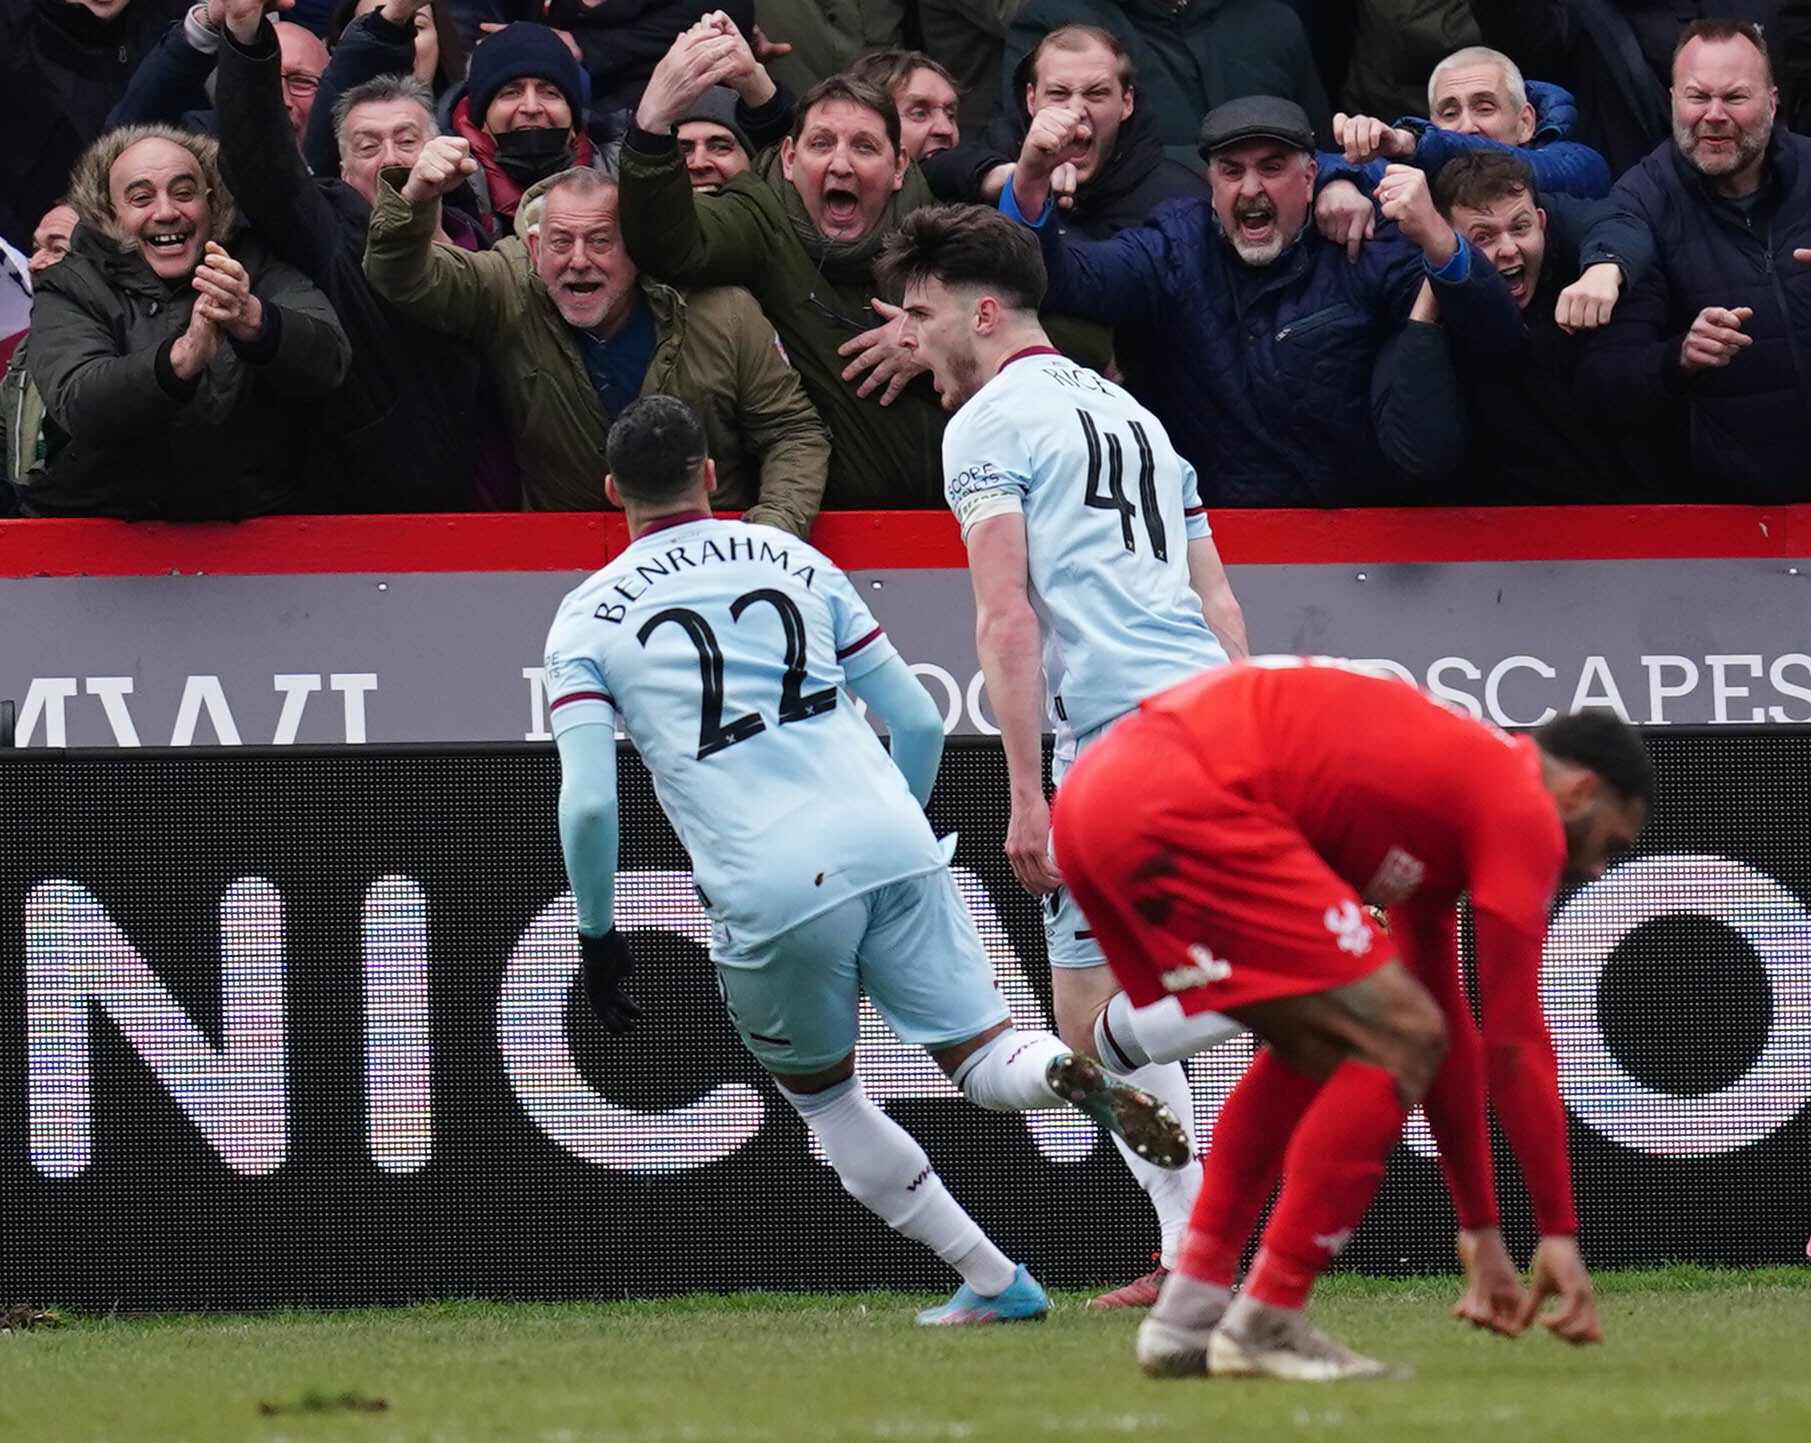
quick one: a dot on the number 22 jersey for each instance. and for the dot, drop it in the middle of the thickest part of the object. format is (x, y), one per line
(724, 646)
(1109, 511)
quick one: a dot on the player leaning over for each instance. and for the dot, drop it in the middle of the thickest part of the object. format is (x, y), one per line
(724, 646)
(1087, 542)
(1223, 840)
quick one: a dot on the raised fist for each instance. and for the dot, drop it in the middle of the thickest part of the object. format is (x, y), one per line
(1057, 135)
(1363, 138)
(444, 162)
(1403, 197)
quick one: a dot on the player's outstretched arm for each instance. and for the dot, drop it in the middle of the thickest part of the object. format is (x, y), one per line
(589, 841)
(914, 727)
(1455, 1106)
(1011, 651)
(1207, 578)
(1524, 1083)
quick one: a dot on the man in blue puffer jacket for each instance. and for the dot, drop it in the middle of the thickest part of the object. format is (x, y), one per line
(1721, 326)
(1478, 100)
(1264, 340)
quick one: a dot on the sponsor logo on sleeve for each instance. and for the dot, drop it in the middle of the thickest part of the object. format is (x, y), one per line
(1204, 968)
(1349, 926)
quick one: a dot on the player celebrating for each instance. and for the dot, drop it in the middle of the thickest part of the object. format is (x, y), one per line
(723, 646)
(1086, 537)
(1291, 793)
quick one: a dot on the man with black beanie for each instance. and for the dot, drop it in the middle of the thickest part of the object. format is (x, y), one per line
(523, 112)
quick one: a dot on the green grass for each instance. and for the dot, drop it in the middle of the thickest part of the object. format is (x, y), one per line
(1691, 1354)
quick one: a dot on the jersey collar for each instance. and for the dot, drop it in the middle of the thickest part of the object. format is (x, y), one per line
(1028, 351)
(667, 523)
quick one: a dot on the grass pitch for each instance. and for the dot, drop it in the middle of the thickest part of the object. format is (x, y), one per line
(1691, 1355)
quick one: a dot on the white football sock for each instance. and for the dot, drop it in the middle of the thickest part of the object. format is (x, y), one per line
(1011, 1073)
(1171, 1191)
(884, 1169)
(1129, 1037)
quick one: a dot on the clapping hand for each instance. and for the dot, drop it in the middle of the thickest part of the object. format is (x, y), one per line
(707, 54)
(225, 296)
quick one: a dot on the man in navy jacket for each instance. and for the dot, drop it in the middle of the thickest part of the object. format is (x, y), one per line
(1264, 340)
(1721, 326)
(1528, 438)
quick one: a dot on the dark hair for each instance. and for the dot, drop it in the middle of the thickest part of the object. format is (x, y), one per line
(1477, 178)
(1723, 28)
(857, 92)
(1601, 742)
(656, 448)
(1075, 38)
(965, 245)
(890, 69)
(449, 70)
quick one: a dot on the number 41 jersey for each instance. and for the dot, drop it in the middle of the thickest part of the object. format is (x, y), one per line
(1109, 510)
(723, 646)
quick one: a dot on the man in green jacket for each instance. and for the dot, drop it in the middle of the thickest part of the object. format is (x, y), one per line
(570, 333)
(802, 231)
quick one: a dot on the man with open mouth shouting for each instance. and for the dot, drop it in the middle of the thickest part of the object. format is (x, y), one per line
(802, 231)
(1528, 438)
(1287, 374)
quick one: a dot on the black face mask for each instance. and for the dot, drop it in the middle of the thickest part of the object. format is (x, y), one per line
(530, 155)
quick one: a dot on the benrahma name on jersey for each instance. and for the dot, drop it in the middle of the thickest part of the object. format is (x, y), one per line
(647, 573)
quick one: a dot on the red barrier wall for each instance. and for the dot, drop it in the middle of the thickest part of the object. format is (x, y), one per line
(860, 540)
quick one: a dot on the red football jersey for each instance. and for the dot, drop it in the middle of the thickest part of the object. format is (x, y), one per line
(1413, 803)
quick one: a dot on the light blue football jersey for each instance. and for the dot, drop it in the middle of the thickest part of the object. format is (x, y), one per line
(1109, 510)
(724, 646)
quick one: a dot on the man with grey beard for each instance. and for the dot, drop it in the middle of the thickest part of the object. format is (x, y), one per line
(1719, 331)
(1286, 373)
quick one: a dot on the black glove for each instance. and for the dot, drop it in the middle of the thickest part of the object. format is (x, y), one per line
(604, 965)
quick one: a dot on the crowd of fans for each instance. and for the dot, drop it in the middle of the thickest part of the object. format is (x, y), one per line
(415, 255)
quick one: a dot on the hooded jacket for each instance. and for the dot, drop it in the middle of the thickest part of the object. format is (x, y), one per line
(126, 438)
(713, 350)
(755, 233)
(1134, 179)
(1190, 57)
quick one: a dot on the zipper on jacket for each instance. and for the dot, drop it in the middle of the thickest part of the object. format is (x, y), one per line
(1779, 298)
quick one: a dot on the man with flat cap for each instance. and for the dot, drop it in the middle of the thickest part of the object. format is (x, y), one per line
(1287, 373)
